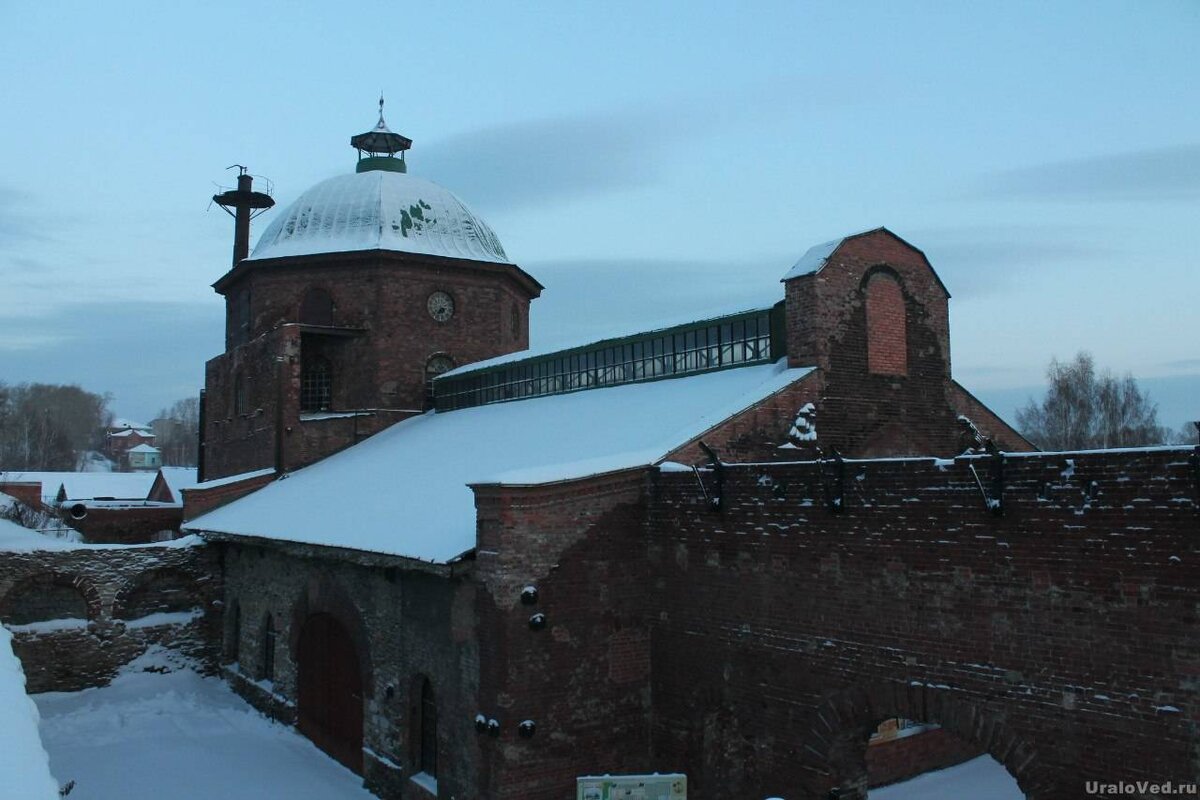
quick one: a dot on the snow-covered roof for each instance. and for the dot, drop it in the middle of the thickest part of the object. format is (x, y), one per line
(813, 259)
(145, 434)
(17, 539)
(379, 210)
(90, 485)
(144, 448)
(228, 479)
(121, 422)
(405, 490)
(178, 478)
(23, 761)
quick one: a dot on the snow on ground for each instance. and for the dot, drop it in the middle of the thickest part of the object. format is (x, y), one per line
(152, 735)
(981, 778)
(24, 774)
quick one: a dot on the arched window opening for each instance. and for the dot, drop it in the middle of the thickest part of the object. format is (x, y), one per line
(268, 649)
(435, 366)
(316, 384)
(316, 308)
(42, 599)
(427, 730)
(241, 396)
(887, 326)
(234, 642)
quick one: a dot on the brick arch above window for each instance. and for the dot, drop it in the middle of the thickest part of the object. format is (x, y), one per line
(317, 307)
(887, 323)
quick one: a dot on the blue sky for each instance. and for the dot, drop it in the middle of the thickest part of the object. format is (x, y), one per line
(644, 161)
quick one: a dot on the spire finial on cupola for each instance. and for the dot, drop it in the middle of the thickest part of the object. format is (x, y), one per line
(377, 148)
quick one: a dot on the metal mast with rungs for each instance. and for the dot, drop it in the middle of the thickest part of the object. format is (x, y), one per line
(243, 204)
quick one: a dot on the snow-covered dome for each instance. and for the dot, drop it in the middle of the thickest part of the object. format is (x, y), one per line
(379, 209)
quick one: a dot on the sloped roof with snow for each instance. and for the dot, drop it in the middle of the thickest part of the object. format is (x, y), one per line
(144, 448)
(379, 210)
(91, 485)
(814, 259)
(405, 490)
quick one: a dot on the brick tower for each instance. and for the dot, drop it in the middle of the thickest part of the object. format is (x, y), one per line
(355, 296)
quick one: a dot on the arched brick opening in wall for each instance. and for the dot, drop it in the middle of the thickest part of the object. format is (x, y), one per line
(159, 591)
(846, 720)
(49, 596)
(327, 642)
(887, 323)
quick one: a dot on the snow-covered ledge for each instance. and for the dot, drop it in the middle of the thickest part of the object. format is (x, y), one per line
(426, 781)
(23, 761)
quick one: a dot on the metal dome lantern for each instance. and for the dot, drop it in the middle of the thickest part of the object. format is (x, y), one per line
(377, 148)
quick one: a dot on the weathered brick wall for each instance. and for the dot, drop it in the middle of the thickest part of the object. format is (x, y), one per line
(582, 678)
(126, 524)
(904, 403)
(379, 298)
(1060, 637)
(899, 759)
(405, 623)
(197, 501)
(111, 586)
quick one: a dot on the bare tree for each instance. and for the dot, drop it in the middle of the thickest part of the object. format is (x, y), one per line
(177, 432)
(45, 426)
(1083, 409)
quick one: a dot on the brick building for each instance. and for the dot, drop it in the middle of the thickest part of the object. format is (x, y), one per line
(663, 552)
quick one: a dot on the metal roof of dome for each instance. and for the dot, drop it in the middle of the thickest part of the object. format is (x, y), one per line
(378, 209)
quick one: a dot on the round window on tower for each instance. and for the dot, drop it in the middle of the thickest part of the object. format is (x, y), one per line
(440, 306)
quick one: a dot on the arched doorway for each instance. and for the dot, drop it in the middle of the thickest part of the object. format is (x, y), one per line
(330, 689)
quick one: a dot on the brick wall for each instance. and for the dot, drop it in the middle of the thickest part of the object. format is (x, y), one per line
(583, 677)
(899, 759)
(103, 592)
(405, 622)
(377, 356)
(1059, 637)
(197, 501)
(875, 322)
(126, 524)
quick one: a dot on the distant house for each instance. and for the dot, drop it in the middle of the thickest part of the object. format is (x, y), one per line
(117, 444)
(143, 458)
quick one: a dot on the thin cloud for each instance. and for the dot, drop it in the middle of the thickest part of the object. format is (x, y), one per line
(1162, 174)
(549, 161)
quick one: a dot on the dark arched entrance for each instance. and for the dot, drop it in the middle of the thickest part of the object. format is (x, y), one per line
(330, 690)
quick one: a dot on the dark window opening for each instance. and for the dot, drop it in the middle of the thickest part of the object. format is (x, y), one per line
(241, 399)
(435, 366)
(268, 649)
(316, 384)
(428, 730)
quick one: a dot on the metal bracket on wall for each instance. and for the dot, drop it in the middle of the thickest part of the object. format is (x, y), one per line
(714, 500)
(833, 489)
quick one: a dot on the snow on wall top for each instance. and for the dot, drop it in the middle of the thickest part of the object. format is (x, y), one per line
(405, 490)
(379, 210)
(23, 761)
(813, 259)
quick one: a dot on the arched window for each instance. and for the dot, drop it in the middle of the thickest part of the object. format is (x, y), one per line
(427, 730)
(235, 633)
(436, 365)
(316, 308)
(887, 329)
(316, 384)
(241, 395)
(268, 649)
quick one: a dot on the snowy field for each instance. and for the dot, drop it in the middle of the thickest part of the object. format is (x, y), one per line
(152, 735)
(981, 778)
